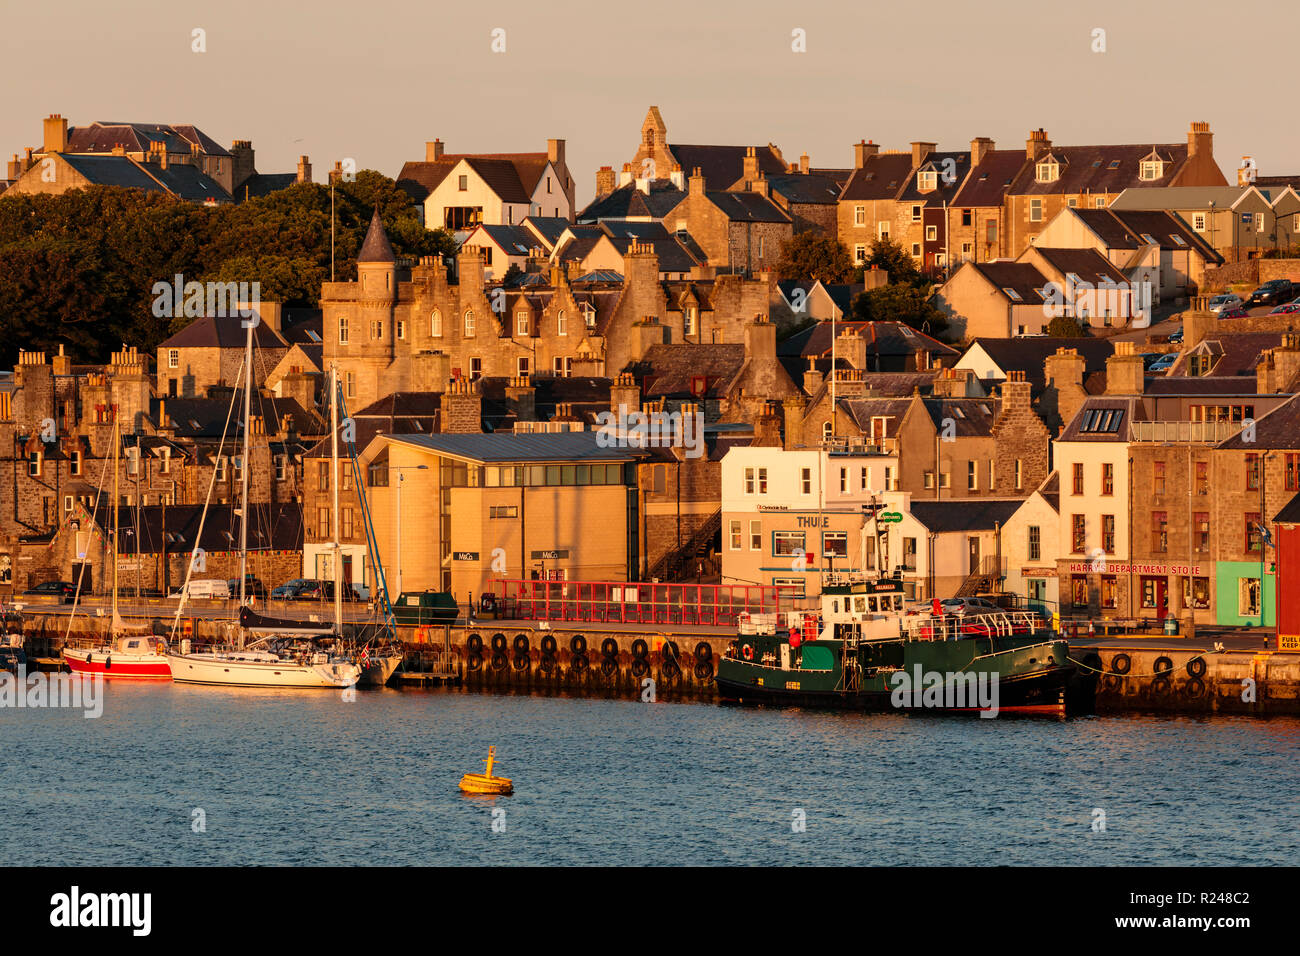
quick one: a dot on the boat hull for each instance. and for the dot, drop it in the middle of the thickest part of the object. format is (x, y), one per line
(116, 665)
(230, 671)
(378, 672)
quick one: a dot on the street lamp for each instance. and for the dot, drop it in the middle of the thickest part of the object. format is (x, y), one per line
(400, 478)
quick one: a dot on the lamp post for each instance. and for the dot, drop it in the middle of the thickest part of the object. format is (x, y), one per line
(400, 478)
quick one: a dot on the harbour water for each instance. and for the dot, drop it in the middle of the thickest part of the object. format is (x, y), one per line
(294, 777)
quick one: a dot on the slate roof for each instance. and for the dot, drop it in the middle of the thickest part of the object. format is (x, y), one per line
(376, 247)
(1021, 277)
(1125, 229)
(100, 137)
(1088, 169)
(748, 207)
(201, 418)
(114, 171)
(1236, 354)
(419, 179)
(189, 183)
(1027, 354)
(862, 410)
(211, 332)
(809, 189)
(501, 447)
(1130, 407)
(1279, 428)
(588, 395)
(399, 413)
(964, 514)
(263, 184)
(883, 176)
(954, 165)
(515, 240)
(1179, 197)
(1088, 264)
(627, 202)
(992, 178)
(1050, 489)
(668, 370)
(882, 338)
(723, 166)
(550, 228)
(673, 256)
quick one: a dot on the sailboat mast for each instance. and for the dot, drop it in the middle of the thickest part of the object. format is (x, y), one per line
(117, 444)
(243, 469)
(334, 484)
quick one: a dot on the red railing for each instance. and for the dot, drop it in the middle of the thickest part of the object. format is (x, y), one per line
(637, 602)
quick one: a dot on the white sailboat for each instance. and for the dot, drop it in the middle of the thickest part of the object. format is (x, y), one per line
(281, 653)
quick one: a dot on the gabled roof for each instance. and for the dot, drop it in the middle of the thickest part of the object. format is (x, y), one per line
(227, 332)
(1022, 278)
(1236, 354)
(1118, 412)
(101, 137)
(806, 189)
(628, 202)
(991, 178)
(114, 171)
(1180, 197)
(950, 171)
(723, 166)
(421, 178)
(1088, 264)
(882, 338)
(1279, 428)
(972, 417)
(1100, 169)
(883, 176)
(548, 228)
(513, 240)
(862, 410)
(747, 207)
(670, 370)
(964, 514)
(1028, 354)
(273, 527)
(1129, 229)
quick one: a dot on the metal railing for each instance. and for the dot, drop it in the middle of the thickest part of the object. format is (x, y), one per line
(638, 602)
(1207, 433)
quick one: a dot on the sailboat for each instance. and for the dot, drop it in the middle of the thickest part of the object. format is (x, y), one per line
(281, 653)
(129, 653)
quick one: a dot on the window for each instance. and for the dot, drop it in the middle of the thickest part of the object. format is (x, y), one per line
(916, 250)
(475, 369)
(859, 215)
(929, 479)
(1079, 590)
(1072, 202)
(463, 185)
(756, 535)
(237, 468)
(1198, 221)
(689, 325)
(966, 217)
(844, 481)
(435, 324)
(788, 543)
(972, 476)
(1252, 472)
(469, 323)
(1048, 171)
(1108, 533)
(1078, 478)
(860, 253)
(927, 180)
(828, 431)
(323, 475)
(221, 469)
(835, 543)
(1078, 532)
(1035, 210)
(521, 323)
(1201, 531)
(350, 384)
(280, 462)
(1292, 472)
(345, 523)
(562, 366)
(377, 329)
(805, 481)
(521, 366)
(931, 233)
(735, 536)
(1158, 478)
(991, 231)
(1248, 597)
(503, 511)
(1019, 475)
(74, 463)
(133, 461)
(1202, 477)
(882, 230)
(401, 329)
(322, 522)
(1099, 202)
(1159, 532)
(1151, 169)
(173, 358)
(343, 330)
(1035, 543)
(916, 213)
(1252, 531)
(67, 502)
(1107, 478)
(561, 323)
(795, 587)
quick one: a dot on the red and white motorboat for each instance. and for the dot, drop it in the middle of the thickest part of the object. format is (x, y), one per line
(130, 657)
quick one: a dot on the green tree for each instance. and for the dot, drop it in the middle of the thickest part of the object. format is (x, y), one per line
(900, 302)
(1066, 327)
(895, 261)
(814, 255)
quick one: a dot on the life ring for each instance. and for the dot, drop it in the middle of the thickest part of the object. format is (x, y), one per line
(578, 645)
(1120, 663)
(609, 647)
(1194, 687)
(474, 643)
(747, 652)
(640, 649)
(548, 645)
(1163, 666)
(498, 643)
(161, 648)
(1196, 667)
(521, 644)
(703, 651)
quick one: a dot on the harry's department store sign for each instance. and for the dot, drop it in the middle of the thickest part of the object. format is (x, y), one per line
(1118, 567)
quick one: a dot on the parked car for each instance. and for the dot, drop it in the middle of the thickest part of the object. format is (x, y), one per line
(1148, 357)
(1289, 308)
(1176, 337)
(288, 589)
(322, 591)
(968, 605)
(1226, 300)
(252, 587)
(211, 589)
(1164, 363)
(65, 591)
(1237, 313)
(1273, 292)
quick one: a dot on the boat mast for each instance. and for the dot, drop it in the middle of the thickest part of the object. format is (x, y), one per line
(243, 465)
(117, 445)
(334, 484)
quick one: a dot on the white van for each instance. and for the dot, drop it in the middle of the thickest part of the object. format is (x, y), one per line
(208, 588)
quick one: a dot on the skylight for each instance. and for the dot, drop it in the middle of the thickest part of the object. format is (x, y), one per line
(1012, 294)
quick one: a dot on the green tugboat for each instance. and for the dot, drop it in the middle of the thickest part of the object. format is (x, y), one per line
(864, 652)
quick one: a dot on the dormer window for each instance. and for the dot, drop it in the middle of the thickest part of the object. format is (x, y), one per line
(1048, 171)
(688, 320)
(927, 180)
(1151, 169)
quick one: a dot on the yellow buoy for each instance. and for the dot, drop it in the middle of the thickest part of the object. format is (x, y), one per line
(485, 782)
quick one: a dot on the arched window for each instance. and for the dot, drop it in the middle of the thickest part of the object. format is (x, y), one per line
(828, 431)
(469, 322)
(435, 324)
(561, 323)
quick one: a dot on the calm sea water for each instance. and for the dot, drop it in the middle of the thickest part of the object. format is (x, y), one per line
(307, 778)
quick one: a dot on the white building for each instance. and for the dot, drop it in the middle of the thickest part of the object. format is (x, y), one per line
(1030, 543)
(789, 515)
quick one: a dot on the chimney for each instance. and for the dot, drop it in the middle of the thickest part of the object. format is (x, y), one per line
(625, 176)
(1286, 361)
(760, 344)
(1063, 373)
(751, 172)
(62, 363)
(1125, 373)
(1015, 393)
(980, 146)
(1200, 141)
(955, 382)
(1037, 144)
(605, 181)
(767, 427)
(804, 163)
(624, 390)
(56, 134)
(521, 398)
(812, 379)
(920, 151)
(646, 333)
(852, 348)
(678, 177)
(793, 422)
(304, 170)
(697, 182)
(461, 408)
(862, 152)
(555, 153)
(433, 151)
(15, 168)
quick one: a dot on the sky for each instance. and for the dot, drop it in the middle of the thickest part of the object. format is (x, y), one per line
(373, 81)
